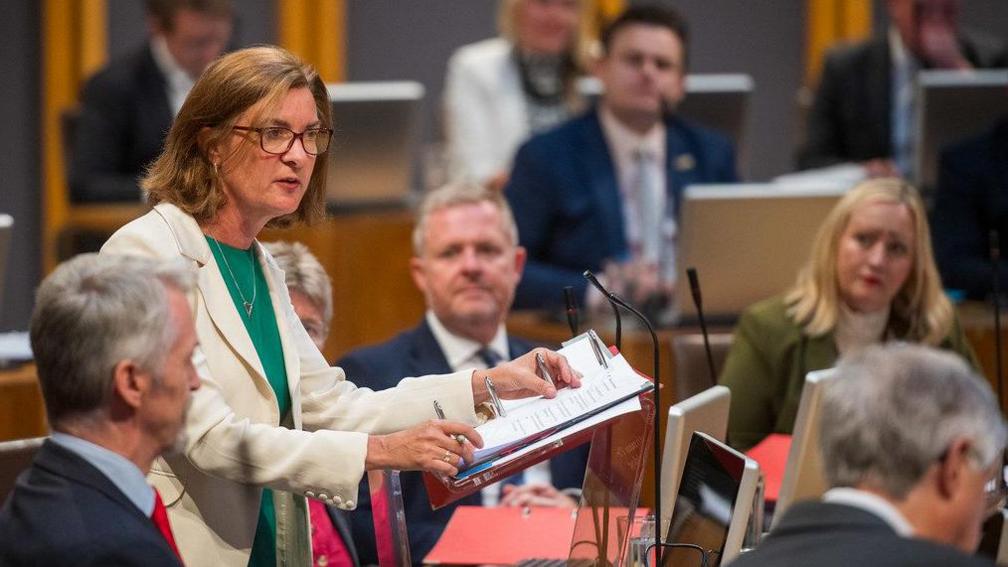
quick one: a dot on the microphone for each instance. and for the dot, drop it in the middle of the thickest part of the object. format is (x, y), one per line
(694, 285)
(572, 313)
(616, 302)
(995, 257)
(609, 297)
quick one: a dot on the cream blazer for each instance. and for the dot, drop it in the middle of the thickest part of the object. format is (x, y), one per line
(234, 445)
(485, 113)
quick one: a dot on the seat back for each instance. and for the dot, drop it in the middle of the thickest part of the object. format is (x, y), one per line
(15, 457)
(691, 372)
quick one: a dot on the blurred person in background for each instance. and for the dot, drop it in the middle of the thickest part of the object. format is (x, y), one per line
(865, 105)
(870, 278)
(127, 107)
(499, 91)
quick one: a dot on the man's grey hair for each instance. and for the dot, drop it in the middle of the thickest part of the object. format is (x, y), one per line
(93, 312)
(455, 194)
(894, 410)
(304, 273)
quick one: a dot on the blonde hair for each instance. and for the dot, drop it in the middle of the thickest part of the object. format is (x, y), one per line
(579, 51)
(919, 311)
(184, 174)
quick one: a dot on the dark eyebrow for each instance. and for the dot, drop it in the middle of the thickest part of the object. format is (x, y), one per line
(285, 124)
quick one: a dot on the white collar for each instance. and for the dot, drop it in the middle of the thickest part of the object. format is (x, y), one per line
(898, 53)
(178, 81)
(623, 141)
(873, 504)
(460, 352)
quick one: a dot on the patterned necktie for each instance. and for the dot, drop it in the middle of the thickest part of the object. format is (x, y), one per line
(650, 201)
(489, 357)
(160, 518)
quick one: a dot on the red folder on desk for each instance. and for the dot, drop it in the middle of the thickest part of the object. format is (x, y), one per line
(772, 453)
(516, 534)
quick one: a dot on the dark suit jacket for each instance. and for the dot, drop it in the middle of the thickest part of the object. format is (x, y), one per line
(566, 199)
(417, 353)
(972, 200)
(835, 535)
(63, 511)
(123, 120)
(850, 119)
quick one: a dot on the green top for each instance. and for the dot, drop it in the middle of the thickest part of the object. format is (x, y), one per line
(766, 368)
(246, 283)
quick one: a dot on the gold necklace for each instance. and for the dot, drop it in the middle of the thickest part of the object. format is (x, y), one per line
(248, 305)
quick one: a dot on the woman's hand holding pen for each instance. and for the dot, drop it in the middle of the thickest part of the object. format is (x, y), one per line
(435, 446)
(525, 376)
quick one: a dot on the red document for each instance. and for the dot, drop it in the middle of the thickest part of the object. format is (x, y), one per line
(772, 453)
(503, 535)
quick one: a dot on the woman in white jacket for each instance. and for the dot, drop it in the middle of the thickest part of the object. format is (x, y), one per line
(272, 422)
(501, 90)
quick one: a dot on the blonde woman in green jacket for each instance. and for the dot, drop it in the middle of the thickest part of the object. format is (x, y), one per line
(871, 277)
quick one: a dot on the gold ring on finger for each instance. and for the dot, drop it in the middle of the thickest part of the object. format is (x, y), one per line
(447, 457)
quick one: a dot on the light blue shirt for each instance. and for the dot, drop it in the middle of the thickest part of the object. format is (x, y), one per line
(125, 475)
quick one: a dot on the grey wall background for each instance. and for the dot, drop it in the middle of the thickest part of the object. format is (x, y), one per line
(412, 39)
(19, 156)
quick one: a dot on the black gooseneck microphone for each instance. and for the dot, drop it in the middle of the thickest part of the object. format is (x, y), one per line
(616, 302)
(694, 285)
(995, 256)
(572, 313)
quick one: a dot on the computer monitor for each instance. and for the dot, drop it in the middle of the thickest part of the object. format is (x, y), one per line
(953, 106)
(719, 101)
(803, 473)
(6, 226)
(373, 157)
(747, 241)
(713, 503)
(706, 412)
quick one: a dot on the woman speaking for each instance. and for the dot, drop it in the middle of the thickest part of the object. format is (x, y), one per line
(273, 423)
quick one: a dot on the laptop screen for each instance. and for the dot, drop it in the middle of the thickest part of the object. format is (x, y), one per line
(711, 479)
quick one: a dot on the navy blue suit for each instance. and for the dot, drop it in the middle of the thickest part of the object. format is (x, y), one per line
(417, 353)
(63, 511)
(972, 200)
(124, 118)
(566, 199)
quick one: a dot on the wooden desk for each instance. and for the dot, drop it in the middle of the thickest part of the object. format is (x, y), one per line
(22, 413)
(977, 320)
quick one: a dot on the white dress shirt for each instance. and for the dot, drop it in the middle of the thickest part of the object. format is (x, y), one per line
(178, 83)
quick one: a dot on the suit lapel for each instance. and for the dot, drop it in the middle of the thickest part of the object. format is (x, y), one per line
(280, 298)
(64, 463)
(878, 94)
(193, 245)
(426, 356)
(597, 161)
(682, 162)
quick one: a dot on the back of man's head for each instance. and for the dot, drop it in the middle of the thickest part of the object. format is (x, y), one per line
(92, 312)
(894, 410)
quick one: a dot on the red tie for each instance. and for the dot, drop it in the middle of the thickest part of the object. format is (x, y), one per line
(160, 518)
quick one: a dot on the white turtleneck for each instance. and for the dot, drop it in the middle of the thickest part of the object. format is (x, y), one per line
(856, 330)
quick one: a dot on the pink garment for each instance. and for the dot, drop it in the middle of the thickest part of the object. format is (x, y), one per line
(328, 549)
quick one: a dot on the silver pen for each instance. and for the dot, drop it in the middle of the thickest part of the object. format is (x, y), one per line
(441, 415)
(595, 340)
(543, 371)
(494, 399)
